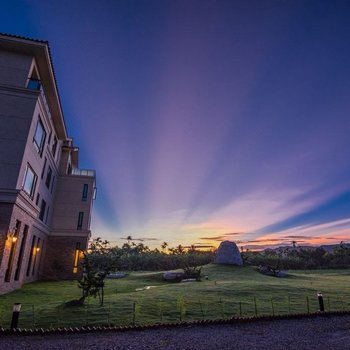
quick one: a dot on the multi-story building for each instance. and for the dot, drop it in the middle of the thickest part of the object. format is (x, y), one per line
(45, 199)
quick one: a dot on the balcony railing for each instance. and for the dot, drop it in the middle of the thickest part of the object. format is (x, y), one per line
(83, 172)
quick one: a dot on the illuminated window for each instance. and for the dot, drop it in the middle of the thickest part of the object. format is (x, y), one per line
(30, 180)
(39, 137)
(36, 251)
(31, 255)
(76, 257)
(85, 192)
(14, 240)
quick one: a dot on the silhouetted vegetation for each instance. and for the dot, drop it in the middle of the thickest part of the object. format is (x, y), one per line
(301, 258)
(139, 257)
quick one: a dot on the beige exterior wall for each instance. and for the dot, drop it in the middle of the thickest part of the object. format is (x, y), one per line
(32, 246)
(14, 68)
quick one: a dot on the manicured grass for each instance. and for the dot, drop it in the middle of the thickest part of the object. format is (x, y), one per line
(229, 291)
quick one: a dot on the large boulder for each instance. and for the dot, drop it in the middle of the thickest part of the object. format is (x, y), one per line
(173, 276)
(228, 253)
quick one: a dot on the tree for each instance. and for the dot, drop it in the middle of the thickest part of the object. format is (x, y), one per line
(98, 261)
(164, 246)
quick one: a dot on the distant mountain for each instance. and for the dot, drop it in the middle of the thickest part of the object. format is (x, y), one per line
(327, 247)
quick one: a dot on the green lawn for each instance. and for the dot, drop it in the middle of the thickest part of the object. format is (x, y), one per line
(229, 291)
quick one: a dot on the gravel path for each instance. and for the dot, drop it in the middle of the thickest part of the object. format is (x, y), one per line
(314, 333)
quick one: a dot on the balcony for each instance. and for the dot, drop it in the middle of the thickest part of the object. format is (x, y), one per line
(83, 172)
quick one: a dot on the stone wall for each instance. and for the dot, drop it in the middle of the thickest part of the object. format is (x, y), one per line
(60, 256)
(30, 265)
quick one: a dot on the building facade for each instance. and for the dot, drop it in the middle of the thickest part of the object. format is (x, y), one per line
(45, 199)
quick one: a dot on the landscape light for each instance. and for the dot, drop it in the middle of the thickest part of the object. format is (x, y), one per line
(320, 301)
(15, 315)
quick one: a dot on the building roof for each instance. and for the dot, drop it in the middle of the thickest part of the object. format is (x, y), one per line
(40, 49)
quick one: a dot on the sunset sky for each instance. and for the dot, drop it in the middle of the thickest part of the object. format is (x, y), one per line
(205, 120)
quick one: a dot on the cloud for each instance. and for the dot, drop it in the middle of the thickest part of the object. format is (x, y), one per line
(140, 239)
(213, 238)
(335, 209)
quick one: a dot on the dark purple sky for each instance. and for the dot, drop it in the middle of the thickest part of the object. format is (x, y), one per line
(205, 119)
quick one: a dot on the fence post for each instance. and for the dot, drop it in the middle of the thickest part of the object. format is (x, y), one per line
(33, 316)
(289, 308)
(160, 311)
(307, 304)
(87, 314)
(255, 308)
(222, 308)
(134, 312)
(58, 315)
(202, 311)
(273, 308)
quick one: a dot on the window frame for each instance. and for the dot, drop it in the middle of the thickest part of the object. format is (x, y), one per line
(39, 147)
(85, 192)
(42, 210)
(48, 177)
(33, 184)
(80, 221)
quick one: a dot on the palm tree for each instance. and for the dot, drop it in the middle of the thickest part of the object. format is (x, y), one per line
(164, 246)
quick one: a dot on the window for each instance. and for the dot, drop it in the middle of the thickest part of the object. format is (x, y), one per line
(37, 199)
(54, 146)
(21, 252)
(47, 214)
(34, 84)
(44, 167)
(39, 137)
(85, 192)
(76, 257)
(31, 255)
(48, 177)
(53, 184)
(14, 240)
(35, 253)
(42, 210)
(30, 180)
(80, 220)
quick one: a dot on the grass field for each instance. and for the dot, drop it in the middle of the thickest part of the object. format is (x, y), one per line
(143, 297)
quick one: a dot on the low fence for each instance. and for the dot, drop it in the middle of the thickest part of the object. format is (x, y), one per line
(144, 311)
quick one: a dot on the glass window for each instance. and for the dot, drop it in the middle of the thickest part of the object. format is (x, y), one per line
(42, 210)
(80, 220)
(34, 84)
(29, 183)
(37, 199)
(54, 146)
(39, 136)
(48, 177)
(44, 167)
(85, 192)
